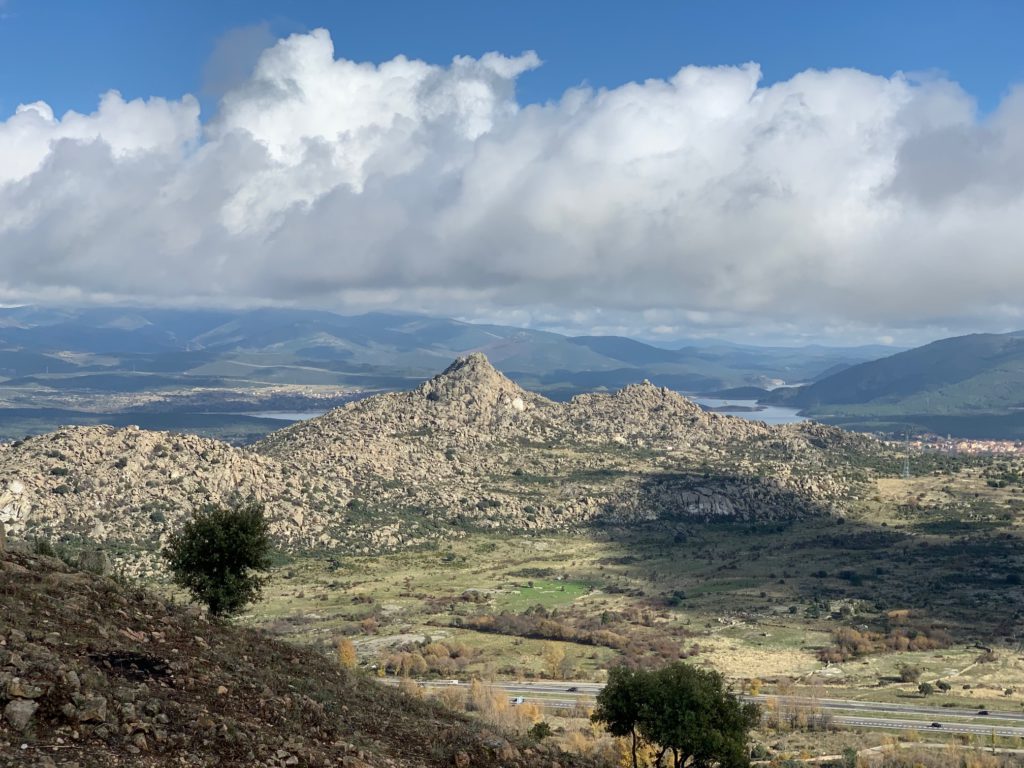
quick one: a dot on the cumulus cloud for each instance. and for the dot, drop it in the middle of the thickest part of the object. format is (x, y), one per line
(708, 200)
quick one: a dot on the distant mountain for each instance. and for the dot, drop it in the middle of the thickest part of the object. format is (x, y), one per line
(944, 386)
(133, 349)
(739, 393)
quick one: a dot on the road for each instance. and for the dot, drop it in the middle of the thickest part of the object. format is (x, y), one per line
(846, 713)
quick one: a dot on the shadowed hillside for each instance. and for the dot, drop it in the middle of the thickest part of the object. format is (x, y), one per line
(96, 675)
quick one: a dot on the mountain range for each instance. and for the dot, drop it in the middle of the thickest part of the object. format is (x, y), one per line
(117, 365)
(967, 385)
(125, 349)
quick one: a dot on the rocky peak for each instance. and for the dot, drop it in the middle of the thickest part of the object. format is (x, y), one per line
(645, 391)
(472, 380)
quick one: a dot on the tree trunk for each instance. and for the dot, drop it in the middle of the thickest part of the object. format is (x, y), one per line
(632, 733)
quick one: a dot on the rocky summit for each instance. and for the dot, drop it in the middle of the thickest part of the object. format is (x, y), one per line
(467, 449)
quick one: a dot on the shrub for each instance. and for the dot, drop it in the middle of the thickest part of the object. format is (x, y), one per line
(219, 554)
(909, 674)
(43, 547)
(539, 731)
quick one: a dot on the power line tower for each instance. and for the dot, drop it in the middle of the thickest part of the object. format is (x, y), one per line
(906, 455)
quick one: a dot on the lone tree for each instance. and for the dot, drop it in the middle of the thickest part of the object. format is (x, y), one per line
(220, 554)
(679, 710)
(620, 704)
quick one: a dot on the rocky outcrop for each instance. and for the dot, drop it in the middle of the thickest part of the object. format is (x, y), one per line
(467, 449)
(474, 448)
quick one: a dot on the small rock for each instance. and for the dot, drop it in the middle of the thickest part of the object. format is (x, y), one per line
(90, 709)
(222, 690)
(16, 689)
(19, 713)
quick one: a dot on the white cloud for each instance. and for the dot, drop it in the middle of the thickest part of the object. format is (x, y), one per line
(831, 200)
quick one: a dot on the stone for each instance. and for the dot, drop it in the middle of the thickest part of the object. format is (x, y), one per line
(19, 689)
(95, 560)
(18, 713)
(90, 708)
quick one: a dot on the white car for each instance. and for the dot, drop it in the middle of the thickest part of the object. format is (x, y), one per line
(517, 700)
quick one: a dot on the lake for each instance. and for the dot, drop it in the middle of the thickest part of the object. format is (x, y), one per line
(285, 415)
(771, 414)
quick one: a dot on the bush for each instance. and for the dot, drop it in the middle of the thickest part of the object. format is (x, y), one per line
(219, 554)
(43, 547)
(539, 731)
(908, 673)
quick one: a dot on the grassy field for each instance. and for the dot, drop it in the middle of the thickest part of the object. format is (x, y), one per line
(759, 600)
(936, 556)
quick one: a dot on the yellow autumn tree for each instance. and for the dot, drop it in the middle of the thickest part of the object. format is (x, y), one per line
(347, 653)
(553, 656)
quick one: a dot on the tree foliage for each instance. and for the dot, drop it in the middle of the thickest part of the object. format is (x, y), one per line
(347, 653)
(219, 556)
(683, 711)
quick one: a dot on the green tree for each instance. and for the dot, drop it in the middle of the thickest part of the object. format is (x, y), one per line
(620, 704)
(689, 713)
(926, 689)
(681, 710)
(220, 554)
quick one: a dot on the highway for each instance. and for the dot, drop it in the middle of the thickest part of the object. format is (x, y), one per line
(846, 713)
(920, 725)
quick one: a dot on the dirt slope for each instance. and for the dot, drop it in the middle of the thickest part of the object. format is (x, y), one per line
(94, 674)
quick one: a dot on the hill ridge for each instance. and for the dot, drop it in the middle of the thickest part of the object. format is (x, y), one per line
(468, 449)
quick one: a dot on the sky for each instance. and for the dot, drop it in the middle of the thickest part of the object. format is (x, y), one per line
(842, 172)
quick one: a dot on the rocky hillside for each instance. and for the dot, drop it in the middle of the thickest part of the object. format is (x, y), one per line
(93, 675)
(469, 448)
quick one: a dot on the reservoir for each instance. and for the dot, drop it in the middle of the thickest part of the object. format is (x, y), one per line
(285, 415)
(745, 409)
(750, 410)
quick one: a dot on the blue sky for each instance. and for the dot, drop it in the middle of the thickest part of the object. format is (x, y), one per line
(860, 181)
(67, 52)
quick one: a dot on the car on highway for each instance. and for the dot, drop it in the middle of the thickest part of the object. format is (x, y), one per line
(517, 700)
(936, 725)
(982, 711)
(572, 688)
